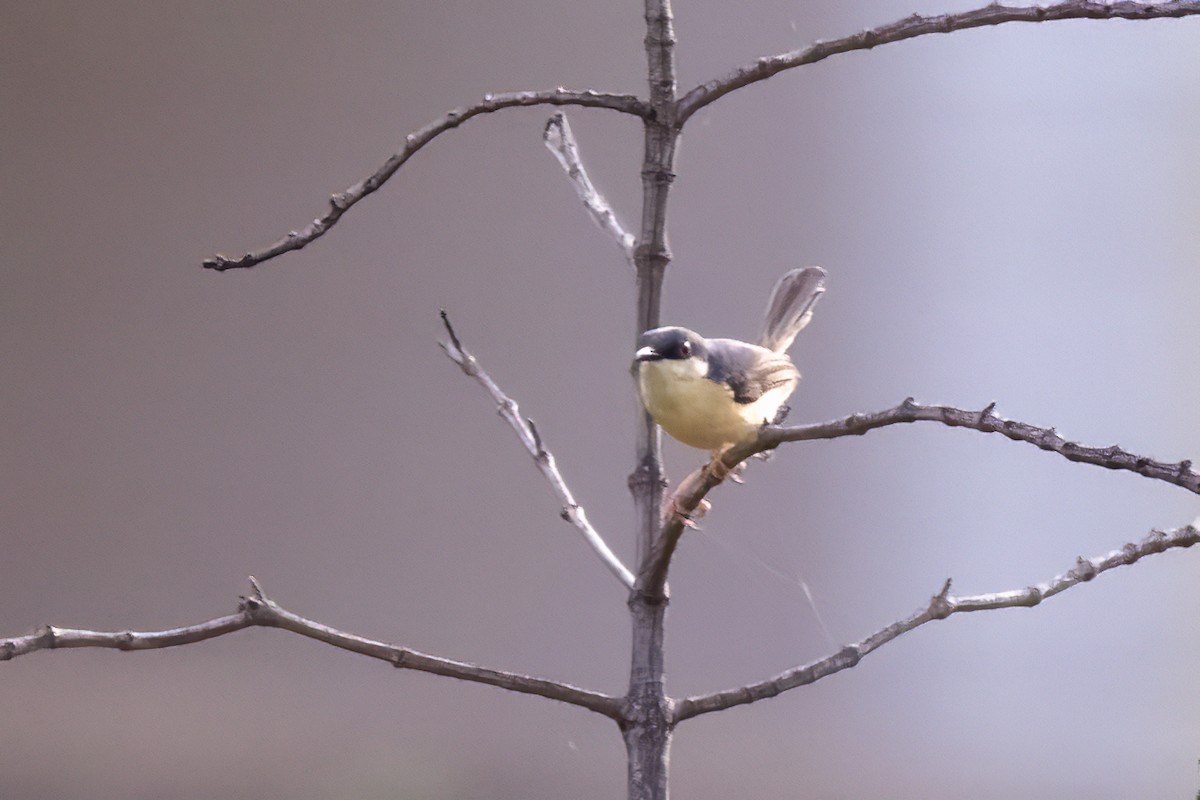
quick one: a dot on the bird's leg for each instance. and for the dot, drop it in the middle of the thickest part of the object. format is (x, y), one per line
(716, 468)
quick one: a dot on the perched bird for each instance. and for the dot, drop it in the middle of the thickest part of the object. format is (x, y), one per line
(712, 393)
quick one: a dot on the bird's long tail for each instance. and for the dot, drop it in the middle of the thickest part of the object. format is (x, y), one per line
(791, 306)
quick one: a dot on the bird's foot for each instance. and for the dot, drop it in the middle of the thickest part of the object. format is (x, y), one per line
(717, 468)
(688, 518)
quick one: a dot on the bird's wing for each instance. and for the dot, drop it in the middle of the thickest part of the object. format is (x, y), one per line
(749, 371)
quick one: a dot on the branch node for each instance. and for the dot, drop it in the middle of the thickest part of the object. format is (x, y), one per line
(542, 454)
(1130, 549)
(1084, 570)
(507, 407)
(48, 635)
(125, 640)
(940, 605)
(659, 175)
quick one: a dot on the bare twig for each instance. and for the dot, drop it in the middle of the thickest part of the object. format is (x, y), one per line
(257, 610)
(342, 201)
(561, 142)
(941, 605)
(695, 486)
(918, 25)
(572, 512)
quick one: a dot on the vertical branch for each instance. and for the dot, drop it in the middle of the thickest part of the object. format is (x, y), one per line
(653, 254)
(647, 711)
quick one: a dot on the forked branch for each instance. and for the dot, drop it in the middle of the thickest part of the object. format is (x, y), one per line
(527, 432)
(941, 605)
(694, 487)
(257, 610)
(341, 202)
(918, 25)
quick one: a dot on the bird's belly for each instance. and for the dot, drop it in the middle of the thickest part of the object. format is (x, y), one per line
(702, 413)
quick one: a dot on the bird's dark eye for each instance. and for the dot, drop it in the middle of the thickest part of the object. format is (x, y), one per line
(685, 349)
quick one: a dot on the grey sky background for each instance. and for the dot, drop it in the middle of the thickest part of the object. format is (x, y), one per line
(1006, 214)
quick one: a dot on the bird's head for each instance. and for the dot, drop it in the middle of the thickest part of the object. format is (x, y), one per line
(670, 344)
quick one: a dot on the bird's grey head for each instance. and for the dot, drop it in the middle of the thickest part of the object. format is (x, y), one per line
(670, 344)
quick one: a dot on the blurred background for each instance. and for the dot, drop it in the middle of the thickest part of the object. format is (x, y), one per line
(1007, 214)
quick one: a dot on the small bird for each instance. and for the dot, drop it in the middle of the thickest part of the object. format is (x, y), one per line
(712, 393)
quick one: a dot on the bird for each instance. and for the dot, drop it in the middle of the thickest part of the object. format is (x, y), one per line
(714, 393)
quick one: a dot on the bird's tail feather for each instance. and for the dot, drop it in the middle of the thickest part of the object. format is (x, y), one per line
(790, 307)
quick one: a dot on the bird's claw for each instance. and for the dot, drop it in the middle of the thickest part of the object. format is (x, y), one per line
(720, 472)
(688, 519)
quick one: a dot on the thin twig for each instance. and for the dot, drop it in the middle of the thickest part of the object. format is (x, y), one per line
(941, 605)
(695, 486)
(342, 201)
(918, 25)
(257, 610)
(572, 512)
(561, 142)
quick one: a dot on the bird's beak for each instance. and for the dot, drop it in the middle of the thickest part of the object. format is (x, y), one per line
(647, 354)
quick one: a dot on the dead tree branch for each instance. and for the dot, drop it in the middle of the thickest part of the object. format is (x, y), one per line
(560, 141)
(1179, 473)
(344, 200)
(918, 25)
(941, 605)
(692, 490)
(527, 432)
(257, 610)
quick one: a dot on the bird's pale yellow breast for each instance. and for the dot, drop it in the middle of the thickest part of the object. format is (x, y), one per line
(700, 412)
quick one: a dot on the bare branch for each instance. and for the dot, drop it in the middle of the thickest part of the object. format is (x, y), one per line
(941, 605)
(259, 611)
(918, 25)
(692, 490)
(1179, 473)
(342, 201)
(561, 142)
(572, 512)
